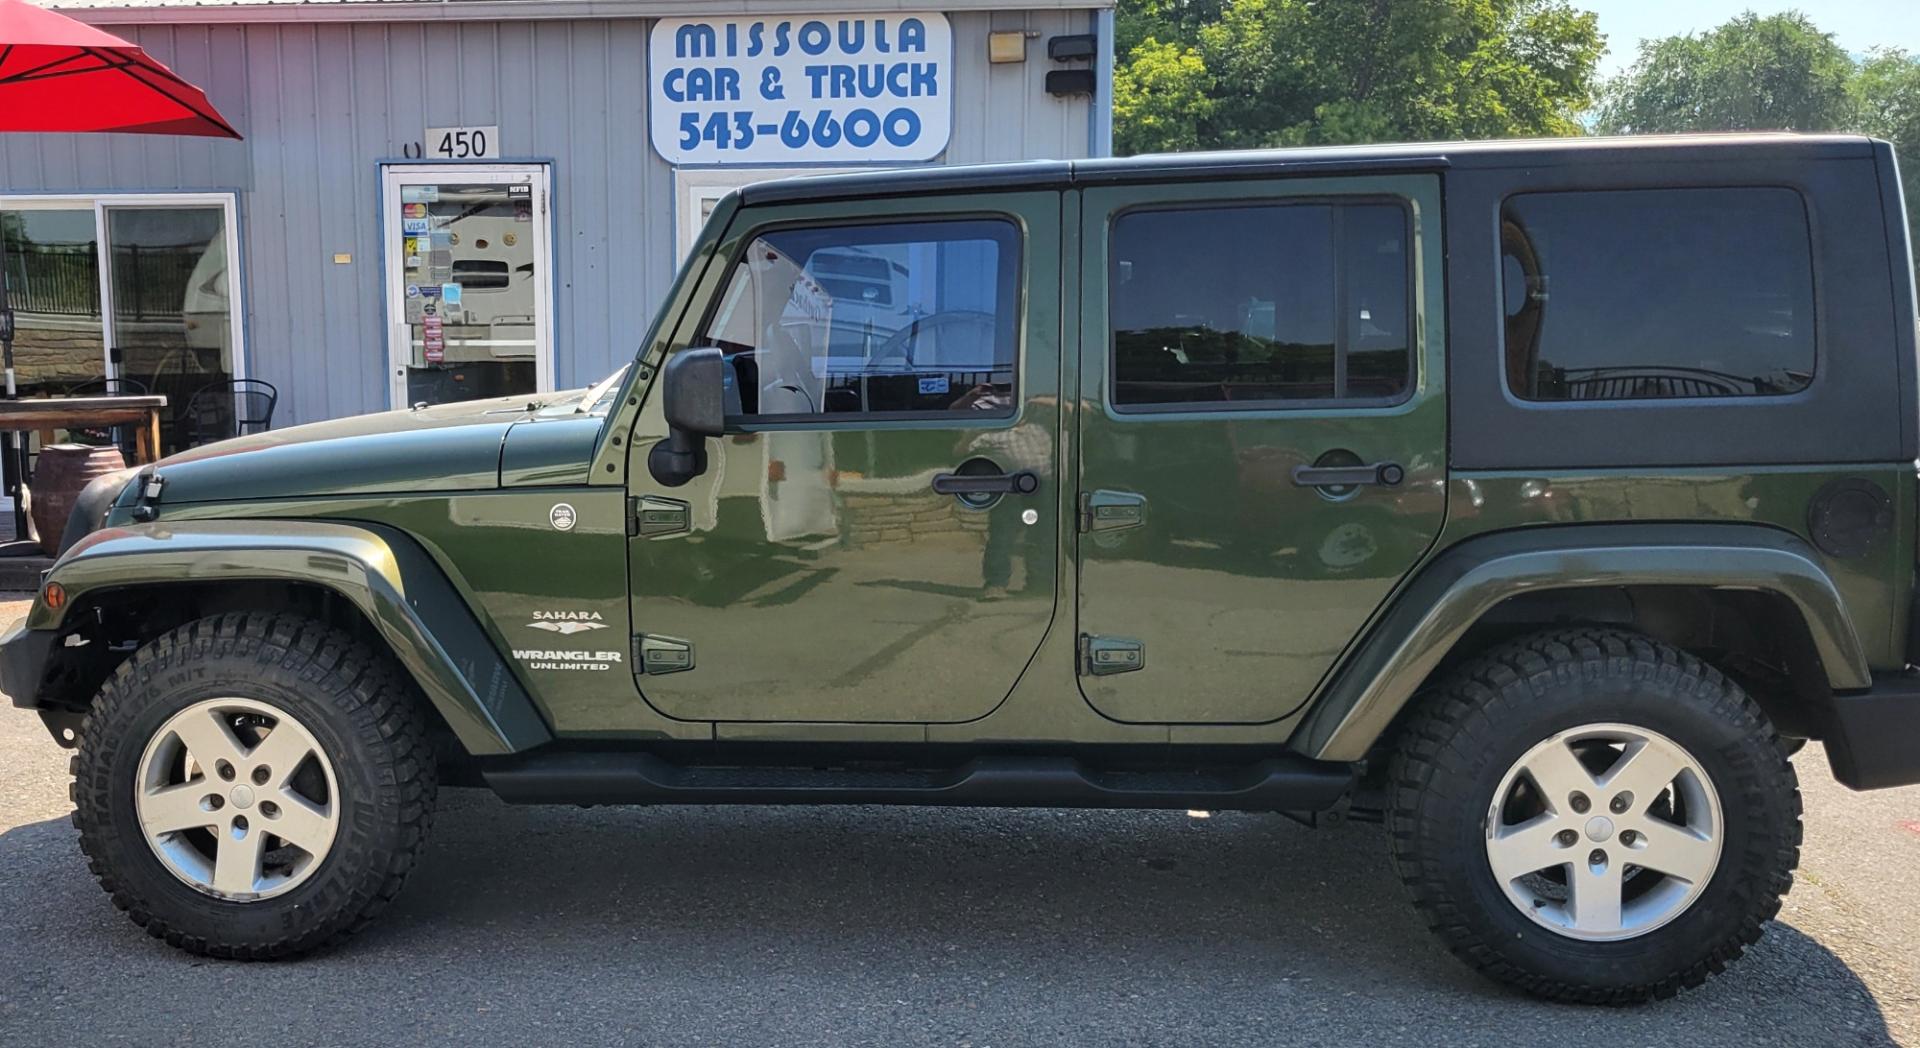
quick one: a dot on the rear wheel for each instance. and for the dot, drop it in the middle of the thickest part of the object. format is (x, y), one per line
(1593, 816)
(253, 785)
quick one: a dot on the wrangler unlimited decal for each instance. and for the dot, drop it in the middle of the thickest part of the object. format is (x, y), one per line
(543, 659)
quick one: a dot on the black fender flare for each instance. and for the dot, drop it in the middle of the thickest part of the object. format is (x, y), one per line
(1446, 598)
(430, 630)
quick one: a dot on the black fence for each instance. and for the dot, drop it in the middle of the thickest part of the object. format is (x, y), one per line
(149, 283)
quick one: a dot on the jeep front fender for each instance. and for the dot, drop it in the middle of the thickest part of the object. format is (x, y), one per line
(1435, 609)
(402, 593)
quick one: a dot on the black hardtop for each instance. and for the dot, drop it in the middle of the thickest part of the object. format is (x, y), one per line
(1275, 163)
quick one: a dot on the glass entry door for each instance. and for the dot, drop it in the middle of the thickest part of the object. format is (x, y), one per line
(126, 294)
(172, 324)
(468, 281)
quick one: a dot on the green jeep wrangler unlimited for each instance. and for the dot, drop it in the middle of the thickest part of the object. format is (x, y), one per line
(1536, 498)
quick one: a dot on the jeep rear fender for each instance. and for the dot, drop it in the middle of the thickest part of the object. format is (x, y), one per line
(1460, 586)
(402, 593)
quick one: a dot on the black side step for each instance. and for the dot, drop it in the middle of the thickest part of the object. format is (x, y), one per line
(1282, 783)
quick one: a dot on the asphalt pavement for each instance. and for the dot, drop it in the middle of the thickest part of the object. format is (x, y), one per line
(858, 926)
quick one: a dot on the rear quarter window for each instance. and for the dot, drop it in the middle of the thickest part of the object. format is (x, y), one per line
(1657, 293)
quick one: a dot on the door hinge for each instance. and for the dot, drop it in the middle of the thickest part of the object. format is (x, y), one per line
(1104, 656)
(654, 516)
(654, 654)
(1105, 510)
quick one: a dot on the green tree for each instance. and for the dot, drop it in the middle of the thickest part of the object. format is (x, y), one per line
(1160, 99)
(1887, 92)
(1234, 73)
(1774, 73)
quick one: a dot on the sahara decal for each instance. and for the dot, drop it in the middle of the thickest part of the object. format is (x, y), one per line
(567, 623)
(567, 629)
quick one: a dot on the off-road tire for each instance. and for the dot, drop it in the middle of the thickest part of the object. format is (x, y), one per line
(1466, 733)
(354, 701)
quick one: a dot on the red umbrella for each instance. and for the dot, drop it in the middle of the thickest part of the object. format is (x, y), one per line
(57, 74)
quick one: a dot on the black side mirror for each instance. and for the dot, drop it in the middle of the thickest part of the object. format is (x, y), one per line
(693, 396)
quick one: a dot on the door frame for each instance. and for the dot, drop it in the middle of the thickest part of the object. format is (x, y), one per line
(99, 203)
(1423, 409)
(393, 271)
(1042, 359)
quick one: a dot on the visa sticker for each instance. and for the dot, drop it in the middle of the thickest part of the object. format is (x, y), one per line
(932, 385)
(413, 225)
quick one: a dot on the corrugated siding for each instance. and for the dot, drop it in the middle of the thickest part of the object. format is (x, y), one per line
(320, 104)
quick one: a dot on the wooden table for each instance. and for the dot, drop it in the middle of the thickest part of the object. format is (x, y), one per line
(50, 413)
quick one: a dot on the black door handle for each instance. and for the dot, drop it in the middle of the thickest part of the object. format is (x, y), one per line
(1024, 482)
(1387, 474)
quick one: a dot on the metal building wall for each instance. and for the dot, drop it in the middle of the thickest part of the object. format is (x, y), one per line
(321, 103)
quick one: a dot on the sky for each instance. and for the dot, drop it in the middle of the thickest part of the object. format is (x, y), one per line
(1855, 24)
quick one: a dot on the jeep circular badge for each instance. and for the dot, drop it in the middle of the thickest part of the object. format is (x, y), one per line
(561, 516)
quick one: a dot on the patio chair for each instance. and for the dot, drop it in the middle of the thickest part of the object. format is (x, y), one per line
(238, 406)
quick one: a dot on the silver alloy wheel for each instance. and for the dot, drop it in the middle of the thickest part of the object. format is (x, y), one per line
(1604, 832)
(237, 799)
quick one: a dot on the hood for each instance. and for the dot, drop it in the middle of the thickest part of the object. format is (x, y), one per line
(450, 447)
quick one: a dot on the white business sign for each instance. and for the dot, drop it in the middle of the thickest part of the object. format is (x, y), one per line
(818, 89)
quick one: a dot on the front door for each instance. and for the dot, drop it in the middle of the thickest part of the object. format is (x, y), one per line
(469, 272)
(876, 539)
(1262, 453)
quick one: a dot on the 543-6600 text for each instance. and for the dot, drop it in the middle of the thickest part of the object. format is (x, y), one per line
(737, 129)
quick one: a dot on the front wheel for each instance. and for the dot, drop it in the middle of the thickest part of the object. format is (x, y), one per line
(1593, 816)
(253, 785)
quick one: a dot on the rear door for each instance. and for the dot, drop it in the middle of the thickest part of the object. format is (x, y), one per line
(875, 539)
(1263, 434)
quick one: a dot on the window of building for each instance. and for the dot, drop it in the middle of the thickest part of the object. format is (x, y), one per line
(1261, 305)
(900, 319)
(1643, 294)
(125, 294)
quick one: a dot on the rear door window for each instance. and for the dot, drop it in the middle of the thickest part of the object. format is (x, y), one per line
(1252, 306)
(1649, 294)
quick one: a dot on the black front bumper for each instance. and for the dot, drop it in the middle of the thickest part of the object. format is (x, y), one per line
(24, 655)
(23, 664)
(1873, 741)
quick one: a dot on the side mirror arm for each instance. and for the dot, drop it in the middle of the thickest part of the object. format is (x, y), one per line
(678, 459)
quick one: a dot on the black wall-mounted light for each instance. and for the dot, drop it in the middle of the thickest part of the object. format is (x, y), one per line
(1080, 47)
(1070, 82)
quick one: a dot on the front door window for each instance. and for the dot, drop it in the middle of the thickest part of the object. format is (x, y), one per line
(467, 271)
